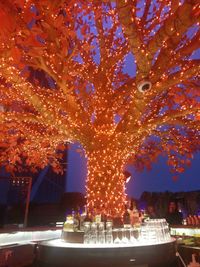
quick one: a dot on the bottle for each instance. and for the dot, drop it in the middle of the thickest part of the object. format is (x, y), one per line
(188, 219)
(103, 217)
(77, 221)
(88, 217)
(82, 218)
(126, 218)
(73, 213)
(68, 225)
(192, 220)
(97, 218)
(196, 220)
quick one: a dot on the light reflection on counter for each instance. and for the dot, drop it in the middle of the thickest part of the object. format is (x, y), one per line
(185, 231)
(57, 253)
(28, 236)
(61, 243)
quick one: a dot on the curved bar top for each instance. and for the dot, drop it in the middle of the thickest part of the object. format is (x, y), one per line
(57, 253)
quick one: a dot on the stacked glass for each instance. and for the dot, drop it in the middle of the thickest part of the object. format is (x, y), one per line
(94, 233)
(101, 233)
(126, 235)
(155, 231)
(152, 231)
(109, 233)
(166, 230)
(87, 231)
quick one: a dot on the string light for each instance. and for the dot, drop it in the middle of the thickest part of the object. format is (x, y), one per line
(63, 81)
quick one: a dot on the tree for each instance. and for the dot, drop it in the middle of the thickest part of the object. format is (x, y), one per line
(64, 80)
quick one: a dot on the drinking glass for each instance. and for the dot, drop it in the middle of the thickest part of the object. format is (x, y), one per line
(86, 227)
(109, 225)
(134, 235)
(87, 232)
(101, 233)
(152, 230)
(101, 226)
(101, 237)
(93, 235)
(117, 240)
(124, 236)
(86, 238)
(144, 233)
(109, 237)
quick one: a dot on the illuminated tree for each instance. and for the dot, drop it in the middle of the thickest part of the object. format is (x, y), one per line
(63, 73)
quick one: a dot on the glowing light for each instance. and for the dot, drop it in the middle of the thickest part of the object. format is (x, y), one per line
(62, 80)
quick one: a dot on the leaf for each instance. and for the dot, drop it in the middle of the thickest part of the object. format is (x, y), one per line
(188, 162)
(61, 147)
(33, 41)
(180, 169)
(84, 29)
(196, 10)
(175, 178)
(198, 117)
(16, 54)
(59, 21)
(179, 99)
(87, 47)
(28, 16)
(20, 3)
(7, 23)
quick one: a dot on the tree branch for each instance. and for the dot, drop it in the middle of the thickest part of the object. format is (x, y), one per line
(172, 30)
(169, 118)
(125, 10)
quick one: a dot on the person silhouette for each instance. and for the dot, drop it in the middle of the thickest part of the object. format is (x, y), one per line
(173, 216)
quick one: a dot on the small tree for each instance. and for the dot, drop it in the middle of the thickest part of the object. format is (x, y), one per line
(63, 80)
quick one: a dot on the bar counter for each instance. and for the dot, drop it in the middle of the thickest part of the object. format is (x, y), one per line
(48, 250)
(188, 241)
(13, 236)
(57, 253)
(53, 252)
(185, 230)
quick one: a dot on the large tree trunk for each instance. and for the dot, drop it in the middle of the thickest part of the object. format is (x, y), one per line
(105, 182)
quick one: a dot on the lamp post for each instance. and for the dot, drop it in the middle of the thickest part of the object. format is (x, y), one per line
(29, 179)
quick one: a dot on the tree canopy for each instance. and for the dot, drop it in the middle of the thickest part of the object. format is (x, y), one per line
(64, 79)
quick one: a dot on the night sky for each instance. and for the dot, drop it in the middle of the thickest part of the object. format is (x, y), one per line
(159, 179)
